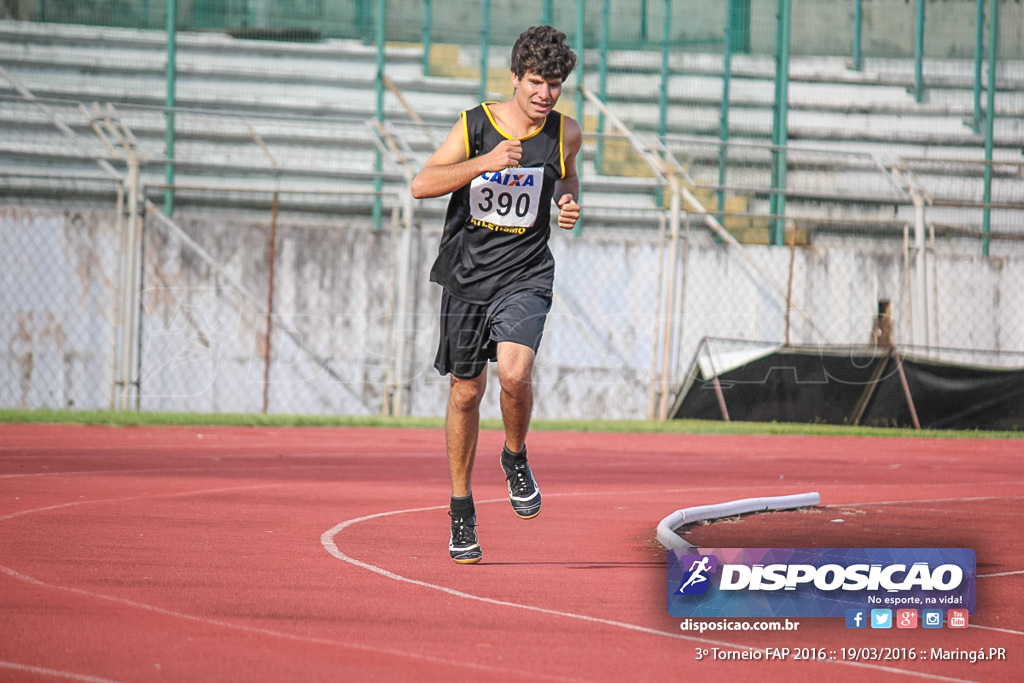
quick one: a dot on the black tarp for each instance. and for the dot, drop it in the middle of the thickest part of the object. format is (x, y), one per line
(855, 386)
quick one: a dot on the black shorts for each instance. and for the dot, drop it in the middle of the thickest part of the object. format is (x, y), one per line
(470, 332)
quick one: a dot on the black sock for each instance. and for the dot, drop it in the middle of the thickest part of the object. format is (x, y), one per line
(463, 507)
(508, 458)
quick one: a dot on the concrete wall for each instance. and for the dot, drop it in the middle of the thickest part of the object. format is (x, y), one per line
(204, 337)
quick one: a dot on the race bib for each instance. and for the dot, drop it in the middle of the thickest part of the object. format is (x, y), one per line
(509, 198)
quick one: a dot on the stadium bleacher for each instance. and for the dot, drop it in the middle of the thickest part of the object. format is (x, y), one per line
(310, 104)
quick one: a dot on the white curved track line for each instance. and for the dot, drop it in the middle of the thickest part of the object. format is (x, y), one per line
(162, 470)
(327, 541)
(89, 501)
(1015, 572)
(331, 546)
(907, 501)
(976, 499)
(208, 621)
(54, 673)
(128, 499)
(216, 622)
(999, 630)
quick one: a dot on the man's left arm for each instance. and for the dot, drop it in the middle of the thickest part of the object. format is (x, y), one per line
(567, 189)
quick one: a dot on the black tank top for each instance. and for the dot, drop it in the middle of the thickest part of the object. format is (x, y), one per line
(496, 231)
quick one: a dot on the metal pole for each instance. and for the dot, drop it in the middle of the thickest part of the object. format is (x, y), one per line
(670, 293)
(780, 135)
(378, 162)
(919, 54)
(581, 49)
(919, 322)
(858, 22)
(271, 262)
(399, 388)
(906, 391)
(428, 23)
(171, 71)
(119, 299)
(403, 320)
(656, 332)
(666, 36)
(271, 259)
(741, 26)
(719, 394)
(681, 306)
(979, 43)
(723, 117)
(362, 20)
(137, 313)
(130, 279)
(990, 118)
(602, 81)
(381, 34)
(789, 283)
(547, 13)
(485, 47)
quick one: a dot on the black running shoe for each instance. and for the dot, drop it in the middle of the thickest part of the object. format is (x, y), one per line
(523, 492)
(462, 544)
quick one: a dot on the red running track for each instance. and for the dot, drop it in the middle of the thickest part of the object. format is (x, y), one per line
(309, 554)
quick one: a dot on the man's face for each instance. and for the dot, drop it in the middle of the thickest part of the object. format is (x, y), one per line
(536, 95)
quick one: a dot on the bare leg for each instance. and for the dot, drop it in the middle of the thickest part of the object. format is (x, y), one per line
(462, 427)
(515, 373)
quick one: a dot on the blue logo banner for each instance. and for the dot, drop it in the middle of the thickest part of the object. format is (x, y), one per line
(818, 582)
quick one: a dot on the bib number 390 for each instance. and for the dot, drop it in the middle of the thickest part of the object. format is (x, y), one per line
(509, 198)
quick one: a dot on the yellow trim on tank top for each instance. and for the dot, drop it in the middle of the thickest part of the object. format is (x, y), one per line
(503, 133)
(465, 133)
(561, 137)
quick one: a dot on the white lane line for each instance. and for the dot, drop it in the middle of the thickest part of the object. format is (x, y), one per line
(910, 501)
(208, 621)
(1016, 572)
(54, 673)
(328, 535)
(129, 499)
(462, 664)
(1000, 630)
(977, 499)
(327, 540)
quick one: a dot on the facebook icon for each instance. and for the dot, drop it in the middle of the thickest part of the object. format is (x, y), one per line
(856, 618)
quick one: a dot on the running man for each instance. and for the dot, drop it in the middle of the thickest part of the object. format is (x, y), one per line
(504, 164)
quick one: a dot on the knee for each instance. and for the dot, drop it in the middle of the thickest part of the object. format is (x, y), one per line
(516, 379)
(465, 395)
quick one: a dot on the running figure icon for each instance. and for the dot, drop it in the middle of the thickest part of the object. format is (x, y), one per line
(697, 570)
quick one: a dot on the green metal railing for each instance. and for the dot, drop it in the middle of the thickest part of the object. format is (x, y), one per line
(919, 53)
(171, 103)
(780, 124)
(378, 164)
(601, 28)
(990, 116)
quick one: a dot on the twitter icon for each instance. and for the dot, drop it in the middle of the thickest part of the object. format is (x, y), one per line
(881, 618)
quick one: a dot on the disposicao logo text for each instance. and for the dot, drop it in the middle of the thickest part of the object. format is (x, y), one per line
(766, 582)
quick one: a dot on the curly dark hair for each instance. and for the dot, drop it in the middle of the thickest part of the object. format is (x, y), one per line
(542, 50)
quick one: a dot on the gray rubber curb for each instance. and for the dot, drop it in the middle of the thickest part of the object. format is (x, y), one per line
(668, 537)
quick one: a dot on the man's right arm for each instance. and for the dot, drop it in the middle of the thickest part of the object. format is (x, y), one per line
(448, 168)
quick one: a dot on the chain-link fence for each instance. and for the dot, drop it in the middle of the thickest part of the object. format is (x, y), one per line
(254, 247)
